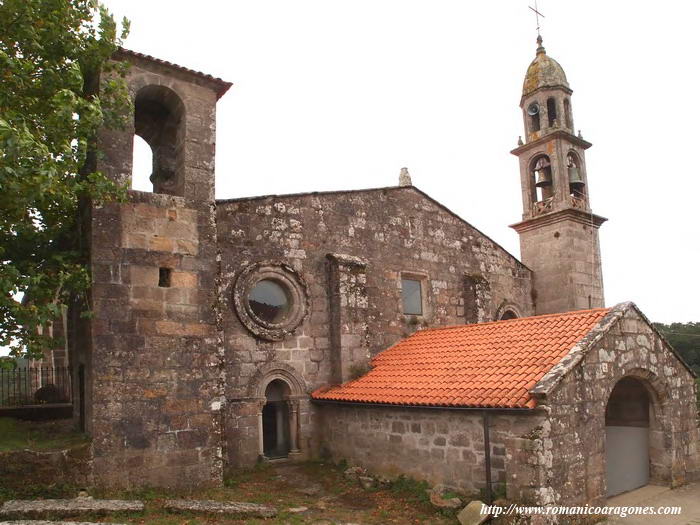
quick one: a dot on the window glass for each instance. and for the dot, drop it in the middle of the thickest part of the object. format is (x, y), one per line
(411, 295)
(269, 301)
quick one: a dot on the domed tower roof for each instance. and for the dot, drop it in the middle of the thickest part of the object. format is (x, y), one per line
(543, 71)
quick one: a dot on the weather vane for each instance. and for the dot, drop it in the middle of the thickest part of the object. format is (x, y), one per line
(537, 16)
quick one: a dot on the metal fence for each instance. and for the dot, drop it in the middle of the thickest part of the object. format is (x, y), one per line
(34, 386)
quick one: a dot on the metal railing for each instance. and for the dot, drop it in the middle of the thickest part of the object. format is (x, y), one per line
(35, 386)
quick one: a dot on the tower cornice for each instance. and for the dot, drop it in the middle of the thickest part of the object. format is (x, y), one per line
(559, 133)
(567, 214)
(565, 89)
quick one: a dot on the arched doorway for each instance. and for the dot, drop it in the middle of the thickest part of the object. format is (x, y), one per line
(276, 420)
(627, 437)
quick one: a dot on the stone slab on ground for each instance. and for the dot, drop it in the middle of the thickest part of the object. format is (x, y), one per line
(471, 514)
(66, 508)
(229, 508)
(41, 522)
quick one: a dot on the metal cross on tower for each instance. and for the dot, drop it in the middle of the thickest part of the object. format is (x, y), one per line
(537, 16)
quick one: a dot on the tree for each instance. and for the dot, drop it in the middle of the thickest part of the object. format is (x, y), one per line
(57, 89)
(685, 338)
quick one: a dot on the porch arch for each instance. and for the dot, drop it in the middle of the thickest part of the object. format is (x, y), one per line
(635, 445)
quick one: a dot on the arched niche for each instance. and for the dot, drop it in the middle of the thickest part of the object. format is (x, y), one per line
(507, 311)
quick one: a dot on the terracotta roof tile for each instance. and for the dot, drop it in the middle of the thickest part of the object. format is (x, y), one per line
(478, 365)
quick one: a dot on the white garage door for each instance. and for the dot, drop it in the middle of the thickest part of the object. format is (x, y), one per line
(627, 458)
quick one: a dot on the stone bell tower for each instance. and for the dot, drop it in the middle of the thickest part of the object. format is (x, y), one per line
(558, 231)
(149, 357)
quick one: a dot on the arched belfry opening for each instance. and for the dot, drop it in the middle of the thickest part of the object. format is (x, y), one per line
(551, 111)
(577, 188)
(533, 112)
(627, 417)
(541, 177)
(568, 120)
(159, 120)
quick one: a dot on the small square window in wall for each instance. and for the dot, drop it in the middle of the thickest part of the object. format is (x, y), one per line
(412, 297)
(164, 275)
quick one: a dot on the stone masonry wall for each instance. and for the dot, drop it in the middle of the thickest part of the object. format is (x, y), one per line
(565, 258)
(395, 231)
(436, 445)
(576, 435)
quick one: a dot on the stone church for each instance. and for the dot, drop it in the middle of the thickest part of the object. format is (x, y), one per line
(373, 325)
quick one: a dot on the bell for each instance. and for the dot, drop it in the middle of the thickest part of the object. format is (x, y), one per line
(575, 179)
(542, 179)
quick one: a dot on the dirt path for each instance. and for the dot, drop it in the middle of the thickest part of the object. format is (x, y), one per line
(686, 497)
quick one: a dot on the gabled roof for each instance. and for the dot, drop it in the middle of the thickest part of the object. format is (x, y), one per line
(219, 85)
(479, 365)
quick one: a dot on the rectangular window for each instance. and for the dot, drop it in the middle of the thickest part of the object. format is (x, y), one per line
(412, 297)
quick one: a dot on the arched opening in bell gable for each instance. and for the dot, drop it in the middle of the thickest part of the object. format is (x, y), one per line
(142, 165)
(159, 121)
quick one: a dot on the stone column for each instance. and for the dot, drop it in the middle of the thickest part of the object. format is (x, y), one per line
(293, 426)
(261, 445)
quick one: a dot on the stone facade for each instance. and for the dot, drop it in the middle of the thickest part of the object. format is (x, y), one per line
(183, 372)
(354, 297)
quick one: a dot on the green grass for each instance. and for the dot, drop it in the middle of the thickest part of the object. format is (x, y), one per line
(338, 500)
(20, 435)
(411, 489)
(31, 491)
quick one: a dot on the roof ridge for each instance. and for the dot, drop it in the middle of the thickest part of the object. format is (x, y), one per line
(492, 366)
(516, 320)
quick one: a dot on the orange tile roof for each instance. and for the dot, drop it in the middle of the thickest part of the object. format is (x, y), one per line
(479, 365)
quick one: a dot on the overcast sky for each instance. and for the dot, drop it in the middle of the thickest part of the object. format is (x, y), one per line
(333, 95)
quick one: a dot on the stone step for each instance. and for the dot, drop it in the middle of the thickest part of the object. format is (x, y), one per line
(228, 508)
(65, 508)
(35, 522)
